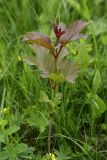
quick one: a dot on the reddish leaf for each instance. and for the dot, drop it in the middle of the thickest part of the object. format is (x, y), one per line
(73, 32)
(62, 55)
(43, 59)
(52, 64)
(79, 36)
(38, 38)
(46, 63)
(77, 27)
(31, 60)
(59, 30)
(69, 69)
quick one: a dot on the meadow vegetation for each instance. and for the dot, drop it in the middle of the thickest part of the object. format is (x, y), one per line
(79, 126)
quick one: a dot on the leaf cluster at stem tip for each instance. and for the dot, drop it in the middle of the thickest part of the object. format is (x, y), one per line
(51, 59)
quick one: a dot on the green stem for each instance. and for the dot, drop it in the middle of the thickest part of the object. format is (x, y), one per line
(54, 89)
(49, 134)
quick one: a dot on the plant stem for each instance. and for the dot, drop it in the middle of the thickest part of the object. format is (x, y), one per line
(51, 112)
(49, 135)
(53, 87)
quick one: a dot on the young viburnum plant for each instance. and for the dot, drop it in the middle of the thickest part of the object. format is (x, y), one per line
(51, 59)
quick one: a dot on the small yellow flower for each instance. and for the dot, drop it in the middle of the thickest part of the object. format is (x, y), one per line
(5, 110)
(52, 156)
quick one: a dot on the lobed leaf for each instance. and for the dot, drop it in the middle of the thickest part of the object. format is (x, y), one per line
(31, 60)
(76, 27)
(70, 70)
(79, 36)
(62, 55)
(43, 97)
(12, 130)
(20, 148)
(38, 38)
(73, 32)
(44, 60)
(66, 70)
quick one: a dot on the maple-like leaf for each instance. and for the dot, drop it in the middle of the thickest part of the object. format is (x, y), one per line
(73, 32)
(69, 69)
(38, 38)
(48, 67)
(51, 60)
(43, 59)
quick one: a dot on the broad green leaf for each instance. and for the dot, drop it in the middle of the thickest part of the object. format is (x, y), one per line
(38, 38)
(98, 107)
(20, 148)
(38, 157)
(103, 39)
(99, 26)
(57, 77)
(83, 58)
(96, 81)
(2, 137)
(4, 155)
(56, 101)
(12, 130)
(52, 104)
(38, 120)
(64, 153)
(58, 98)
(104, 126)
(43, 97)
(46, 157)
(3, 123)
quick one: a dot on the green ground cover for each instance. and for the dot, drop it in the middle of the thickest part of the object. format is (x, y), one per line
(79, 129)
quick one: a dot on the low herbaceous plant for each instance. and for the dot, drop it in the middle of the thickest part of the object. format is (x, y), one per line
(51, 59)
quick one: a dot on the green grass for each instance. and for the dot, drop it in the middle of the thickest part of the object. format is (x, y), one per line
(80, 123)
